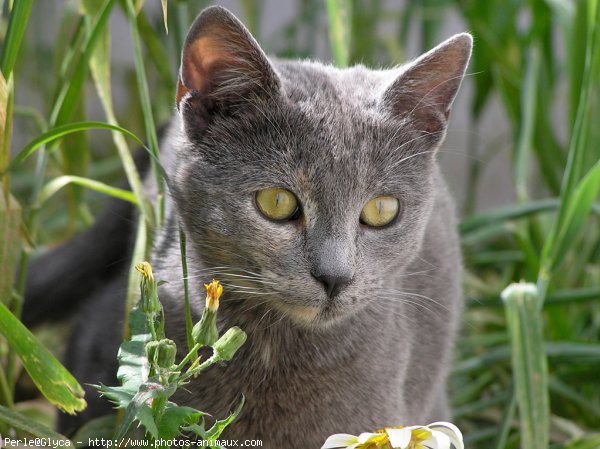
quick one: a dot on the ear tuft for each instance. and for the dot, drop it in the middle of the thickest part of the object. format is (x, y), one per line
(425, 90)
(222, 62)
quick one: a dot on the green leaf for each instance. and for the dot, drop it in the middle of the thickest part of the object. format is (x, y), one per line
(218, 427)
(523, 315)
(58, 183)
(138, 409)
(22, 422)
(59, 132)
(120, 396)
(49, 376)
(10, 222)
(133, 365)
(175, 417)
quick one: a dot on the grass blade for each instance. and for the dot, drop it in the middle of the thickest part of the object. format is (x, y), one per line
(164, 11)
(146, 107)
(339, 13)
(57, 133)
(570, 213)
(6, 107)
(17, 25)
(100, 67)
(506, 423)
(576, 214)
(22, 422)
(529, 363)
(252, 14)
(157, 52)
(49, 376)
(475, 222)
(10, 221)
(67, 99)
(566, 352)
(58, 183)
(529, 93)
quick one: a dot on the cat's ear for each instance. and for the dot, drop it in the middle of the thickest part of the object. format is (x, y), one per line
(425, 90)
(222, 64)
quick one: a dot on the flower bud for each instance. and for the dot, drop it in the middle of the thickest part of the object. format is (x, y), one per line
(162, 353)
(149, 303)
(151, 348)
(229, 343)
(167, 351)
(205, 331)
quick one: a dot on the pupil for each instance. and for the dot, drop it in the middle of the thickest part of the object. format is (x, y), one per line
(379, 206)
(277, 199)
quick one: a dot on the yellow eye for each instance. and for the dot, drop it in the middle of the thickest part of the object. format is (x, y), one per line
(380, 211)
(277, 203)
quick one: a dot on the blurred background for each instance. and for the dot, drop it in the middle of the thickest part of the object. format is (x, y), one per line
(521, 157)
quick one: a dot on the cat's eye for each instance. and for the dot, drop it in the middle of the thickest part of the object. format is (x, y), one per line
(380, 211)
(277, 204)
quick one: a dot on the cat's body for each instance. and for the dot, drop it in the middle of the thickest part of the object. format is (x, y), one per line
(375, 350)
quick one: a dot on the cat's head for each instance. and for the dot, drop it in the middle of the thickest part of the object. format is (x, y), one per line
(304, 185)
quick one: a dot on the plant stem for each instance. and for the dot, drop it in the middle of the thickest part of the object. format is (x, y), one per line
(187, 358)
(193, 372)
(186, 298)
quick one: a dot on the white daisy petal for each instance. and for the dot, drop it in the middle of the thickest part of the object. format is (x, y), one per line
(366, 436)
(437, 440)
(453, 432)
(399, 438)
(340, 440)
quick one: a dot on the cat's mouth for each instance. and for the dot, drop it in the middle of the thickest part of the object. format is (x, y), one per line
(300, 313)
(321, 315)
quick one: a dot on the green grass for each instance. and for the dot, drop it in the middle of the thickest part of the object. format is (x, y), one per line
(549, 237)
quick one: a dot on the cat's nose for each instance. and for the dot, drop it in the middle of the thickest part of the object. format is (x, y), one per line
(333, 283)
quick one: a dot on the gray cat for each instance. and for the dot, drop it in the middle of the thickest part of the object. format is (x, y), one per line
(314, 195)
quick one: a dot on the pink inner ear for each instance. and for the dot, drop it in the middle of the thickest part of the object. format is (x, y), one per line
(222, 61)
(199, 58)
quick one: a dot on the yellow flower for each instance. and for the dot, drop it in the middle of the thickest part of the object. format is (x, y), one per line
(205, 331)
(214, 290)
(146, 271)
(438, 435)
(148, 288)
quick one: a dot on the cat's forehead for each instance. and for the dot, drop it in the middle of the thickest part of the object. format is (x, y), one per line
(322, 90)
(335, 111)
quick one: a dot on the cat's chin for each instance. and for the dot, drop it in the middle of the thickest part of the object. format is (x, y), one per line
(311, 316)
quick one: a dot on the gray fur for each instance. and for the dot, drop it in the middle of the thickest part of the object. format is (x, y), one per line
(377, 353)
